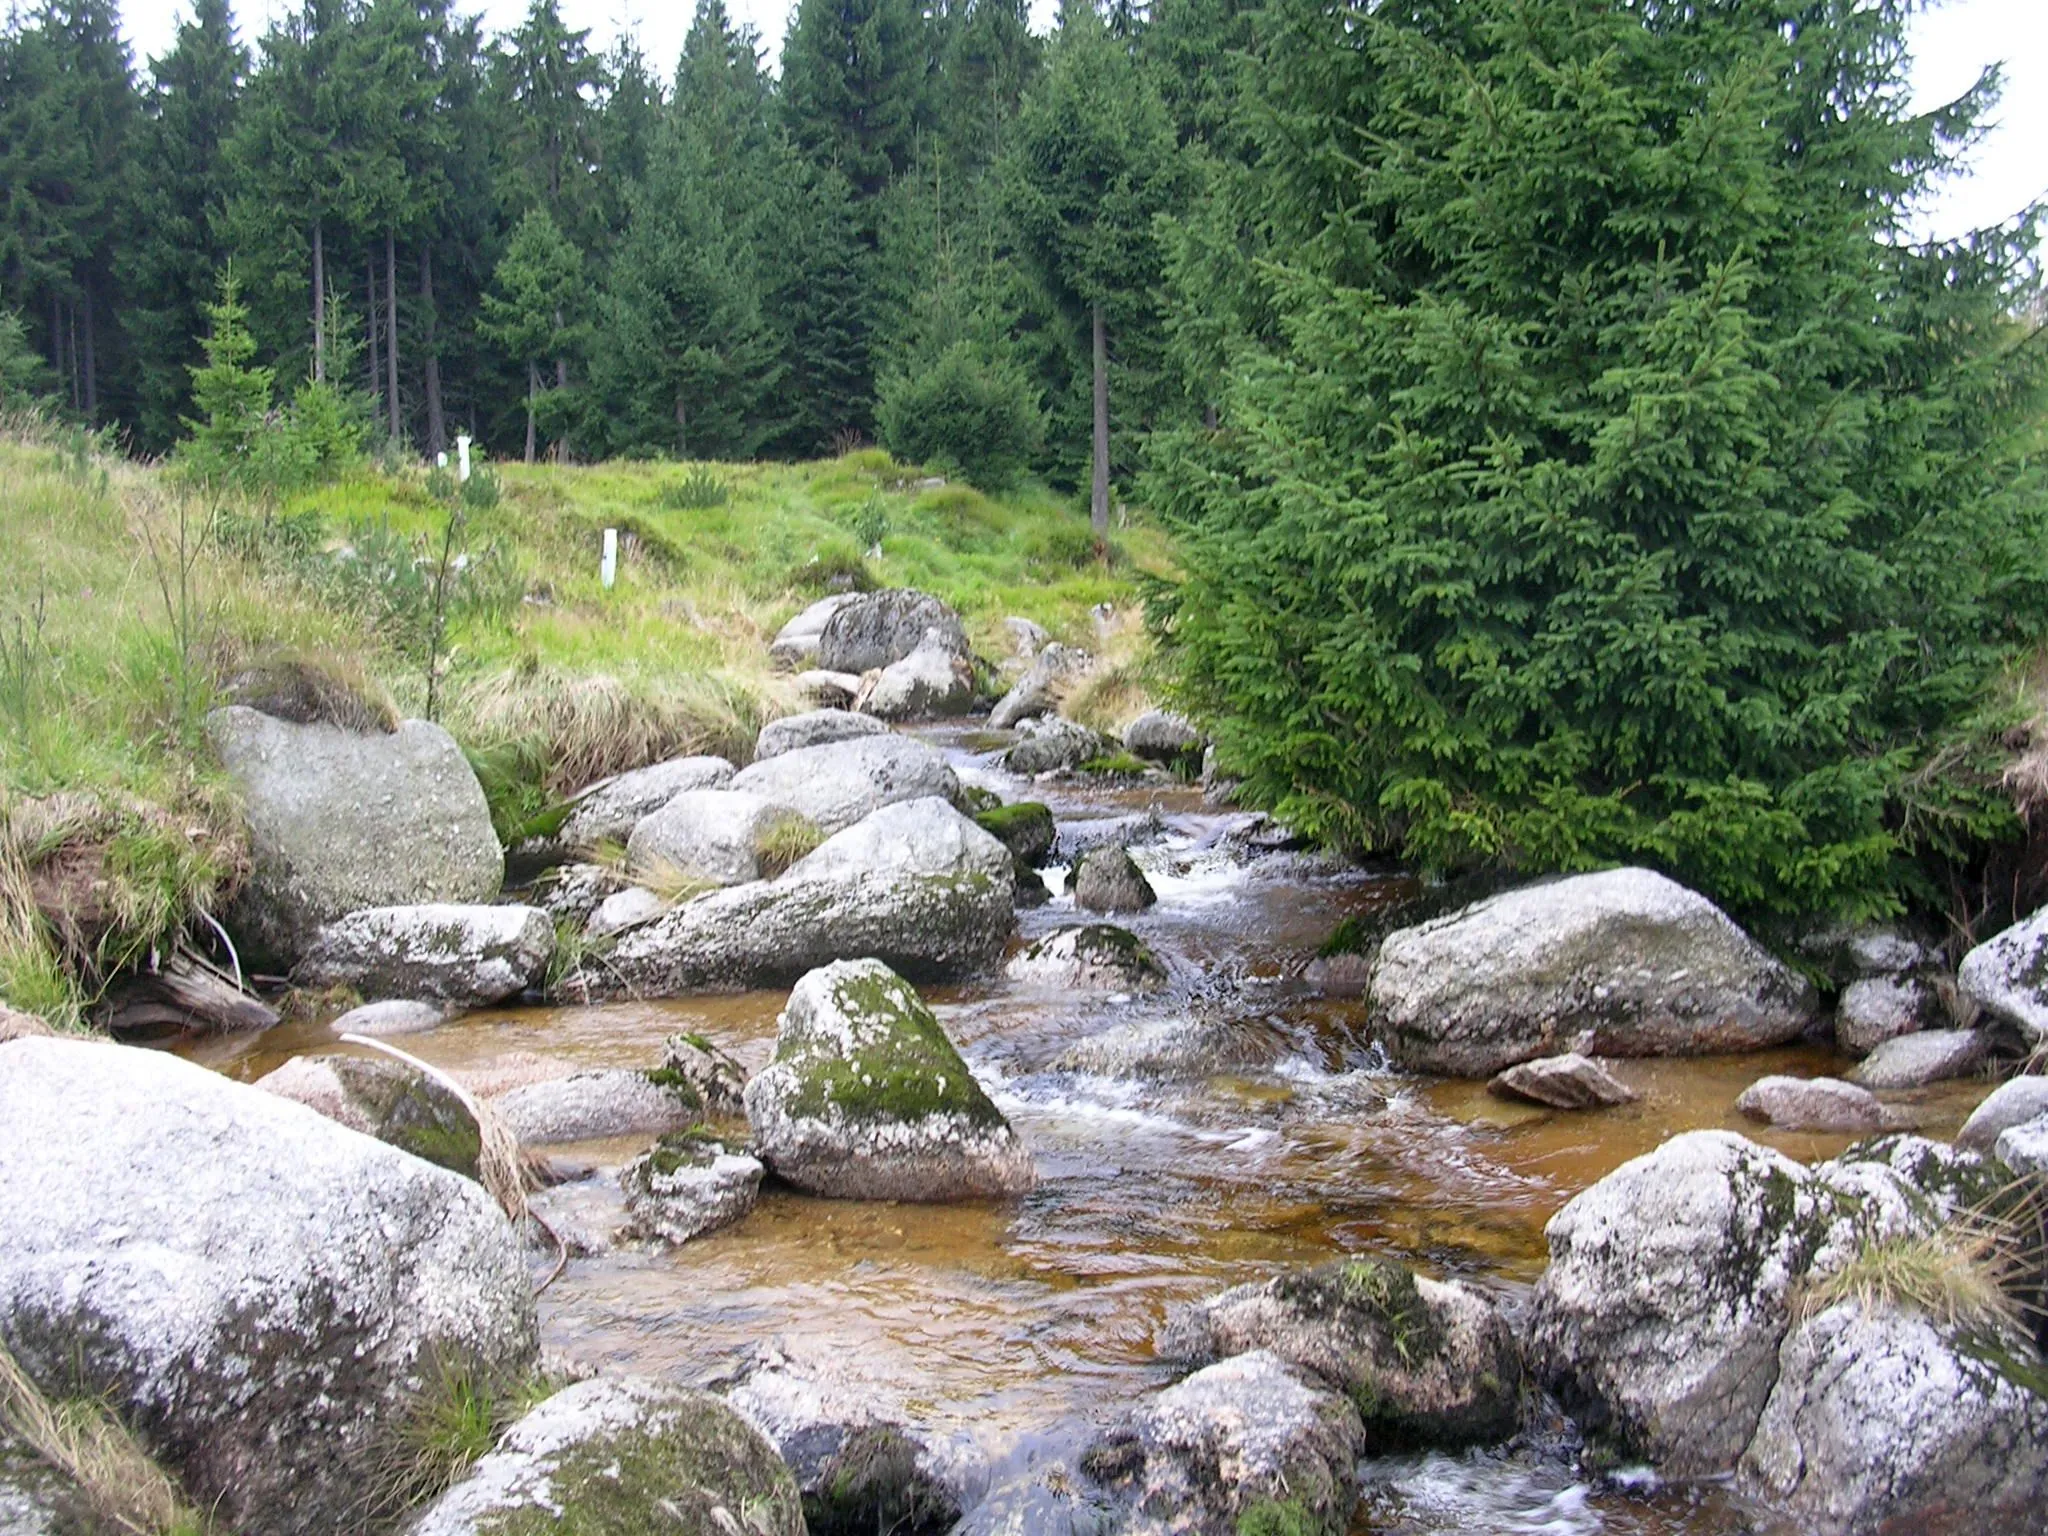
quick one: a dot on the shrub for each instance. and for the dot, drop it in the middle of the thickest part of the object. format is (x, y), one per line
(963, 411)
(1558, 520)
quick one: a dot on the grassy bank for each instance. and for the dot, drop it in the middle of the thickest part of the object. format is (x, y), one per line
(131, 603)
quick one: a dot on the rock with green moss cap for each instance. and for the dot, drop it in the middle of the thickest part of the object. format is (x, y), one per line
(1626, 961)
(916, 885)
(1674, 1281)
(1245, 1444)
(606, 1101)
(389, 1100)
(1026, 829)
(456, 954)
(689, 1184)
(1097, 957)
(623, 1457)
(1425, 1362)
(867, 1099)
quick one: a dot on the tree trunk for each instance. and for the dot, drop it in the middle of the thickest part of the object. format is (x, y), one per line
(71, 316)
(391, 328)
(682, 431)
(376, 371)
(561, 448)
(532, 393)
(92, 372)
(437, 426)
(319, 305)
(1098, 499)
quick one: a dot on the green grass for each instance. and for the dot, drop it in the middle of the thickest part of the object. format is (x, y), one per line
(129, 602)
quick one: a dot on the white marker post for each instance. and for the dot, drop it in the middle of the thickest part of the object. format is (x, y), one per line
(440, 461)
(608, 568)
(462, 455)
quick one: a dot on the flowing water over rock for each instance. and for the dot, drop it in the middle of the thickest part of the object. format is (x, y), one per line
(1186, 1140)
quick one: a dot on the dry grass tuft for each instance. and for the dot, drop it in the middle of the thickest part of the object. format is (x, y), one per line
(671, 884)
(89, 1446)
(784, 841)
(316, 689)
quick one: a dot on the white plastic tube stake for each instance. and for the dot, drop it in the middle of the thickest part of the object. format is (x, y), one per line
(608, 568)
(462, 455)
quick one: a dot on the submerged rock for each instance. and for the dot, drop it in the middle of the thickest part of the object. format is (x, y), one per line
(843, 782)
(1813, 1104)
(1050, 744)
(709, 837)
(1096, 958)
(1675, 1279)
(933, 680)
(1425, 1362)
(867, 1099)
(387, 1099)
(456, 954)
(795, 646)
(916, 885)
(2009, 1104)
(1875, 1009)
(394, 1017)
(687, 1185)
(873, 629)
(1158, 1049)
(1643, 965)
(1038, 691)
(616, 1457)
(1879, 1421)
(1109, 880)
(1570, 1081)
(588, 1106)
(1236, 1447)
(609, 810)
(1914, 1061)
(259, 1293)
(815, 728)
(340, 821)
(2007, 976)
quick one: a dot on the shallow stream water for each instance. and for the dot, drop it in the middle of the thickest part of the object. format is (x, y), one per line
(1018, 1325)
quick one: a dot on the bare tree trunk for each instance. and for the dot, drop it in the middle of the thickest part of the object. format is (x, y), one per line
(391, 329)
(1098, 500)
(437, 426)
(319, 304)
(532, 394)
(92, 372)
(376, 371)
(561, 382)
(71, 316)
(682, 431)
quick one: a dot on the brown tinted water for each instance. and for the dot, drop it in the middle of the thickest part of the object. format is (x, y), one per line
(1016, 1325)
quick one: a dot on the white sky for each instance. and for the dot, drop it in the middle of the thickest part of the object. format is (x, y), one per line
(1952, 40)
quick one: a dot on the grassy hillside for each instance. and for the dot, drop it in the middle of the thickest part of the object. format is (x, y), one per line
(130, 604)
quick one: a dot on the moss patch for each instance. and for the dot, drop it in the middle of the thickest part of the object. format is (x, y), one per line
(873, 1484)
(1273, 1517)
(1117, 765)
(907, 1070)
(1026, 829)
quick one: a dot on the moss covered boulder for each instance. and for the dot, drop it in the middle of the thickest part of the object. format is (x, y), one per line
(1026, 829)
(867, 1099)
(389, 1100)
(688, 1184)
(1097, 957)
(613, 1457)
(1425, 1362)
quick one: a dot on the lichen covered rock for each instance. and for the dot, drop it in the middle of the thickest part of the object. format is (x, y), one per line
(687, 1185)
(1425, 1362)
(813, 728)
(457, 954)
(1638, 962)
(1050, 744)
(1875, 1009)
(608, 1101)
(258, 1292)
(622, 1457)
(1109, 880)
(932, 681)
(1098, 957)
(389, 1100)
(843, 782)
(795, 646)
(2009, 1104)
(607, 811)
(1915, 1060)
(872, 629)
(707, 837)
(2007, 976)
(867, 1099)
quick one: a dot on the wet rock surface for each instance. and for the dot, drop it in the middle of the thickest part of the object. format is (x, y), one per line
(1813, 1104)
(455, 954)
(687, 1185)
(1096, 958)
(1570, 1081)
(1109, 880)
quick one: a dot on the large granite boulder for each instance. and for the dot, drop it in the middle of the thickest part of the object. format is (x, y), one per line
(1249, 1444)
(1038, 692)
(618, 1457)
(1425, 1362)
(710, 837)
(609, 810)
(387, 1099)
(1674, 1281)
(2007, 976)
(261, 1294)
(873, 629)
(457, 954)
(1637, 962)
(916, 885)
(932, 681)
(340, 821)
(867, 1099)
(814, 728)
(795, 646)
(840, 782)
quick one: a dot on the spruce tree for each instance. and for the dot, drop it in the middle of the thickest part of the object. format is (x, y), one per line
(1602, 475)
(533, 308)
(230, 393)
(25, 380)
(853, 86)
